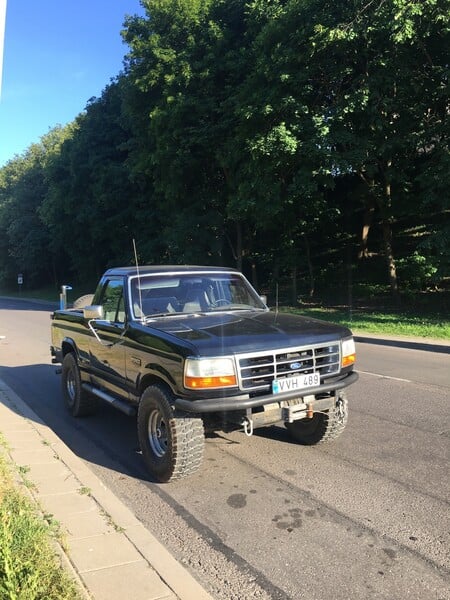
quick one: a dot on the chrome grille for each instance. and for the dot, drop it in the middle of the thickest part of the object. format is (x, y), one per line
(257, 371)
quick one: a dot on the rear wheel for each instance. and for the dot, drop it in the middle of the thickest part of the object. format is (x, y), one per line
(172, 443)
(322, 427)
(79, 402)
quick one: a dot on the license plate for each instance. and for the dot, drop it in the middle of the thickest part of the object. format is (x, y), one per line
(297, 382)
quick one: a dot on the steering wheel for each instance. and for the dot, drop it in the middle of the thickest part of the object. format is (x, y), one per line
(220, 302)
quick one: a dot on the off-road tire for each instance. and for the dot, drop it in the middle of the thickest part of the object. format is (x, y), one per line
(323, 427)
(83, 301)
(78, 401)
(171, 442)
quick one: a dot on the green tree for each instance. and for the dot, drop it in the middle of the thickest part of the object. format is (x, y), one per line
(23, 186)
(354, 88)
(186, 59)
(89, 208)
(272, 133)
(382, 71)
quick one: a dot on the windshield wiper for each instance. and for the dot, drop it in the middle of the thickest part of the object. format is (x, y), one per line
(162, 314)
(234, 308)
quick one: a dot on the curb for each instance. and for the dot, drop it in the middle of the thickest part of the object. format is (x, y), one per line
(409, 343)
(109, 549)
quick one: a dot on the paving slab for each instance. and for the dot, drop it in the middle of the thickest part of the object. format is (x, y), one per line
(103, 551)
(119, 581)
(86, 525)
(70, 504)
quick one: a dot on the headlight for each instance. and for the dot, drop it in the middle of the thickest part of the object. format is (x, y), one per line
(348, 352)
(207, 373)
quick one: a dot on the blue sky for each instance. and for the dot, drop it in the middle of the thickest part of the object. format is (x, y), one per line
(57, 55)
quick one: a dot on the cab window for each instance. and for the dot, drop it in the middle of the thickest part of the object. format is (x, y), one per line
(113, 301)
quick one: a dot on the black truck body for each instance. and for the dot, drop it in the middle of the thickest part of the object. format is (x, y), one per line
(195, 348)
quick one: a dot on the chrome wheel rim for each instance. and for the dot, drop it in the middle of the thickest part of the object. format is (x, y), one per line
(71, 387)
(157, 434)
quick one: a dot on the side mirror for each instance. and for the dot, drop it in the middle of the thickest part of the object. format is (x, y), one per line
(93, 312)
(264, 299)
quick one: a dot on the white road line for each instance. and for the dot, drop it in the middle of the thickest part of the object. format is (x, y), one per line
(385, 376)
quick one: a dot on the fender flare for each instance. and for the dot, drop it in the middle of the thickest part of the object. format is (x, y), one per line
(69, 345)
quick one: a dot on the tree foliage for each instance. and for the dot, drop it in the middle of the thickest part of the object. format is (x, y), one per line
(298, 139)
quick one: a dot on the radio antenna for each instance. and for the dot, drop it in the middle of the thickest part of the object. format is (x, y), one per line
(138, 278)
(276, 300)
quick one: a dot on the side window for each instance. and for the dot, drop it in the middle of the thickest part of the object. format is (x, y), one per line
(113, 301)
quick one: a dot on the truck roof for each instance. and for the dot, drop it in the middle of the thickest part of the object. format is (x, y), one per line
(153, 269)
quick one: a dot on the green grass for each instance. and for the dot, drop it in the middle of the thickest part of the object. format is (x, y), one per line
(49, 294)
(30, 568)
(433, 326)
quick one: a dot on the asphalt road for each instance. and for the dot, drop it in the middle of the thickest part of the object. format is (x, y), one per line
(364, 517)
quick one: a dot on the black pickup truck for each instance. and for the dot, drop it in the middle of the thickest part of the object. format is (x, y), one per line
(195, 349)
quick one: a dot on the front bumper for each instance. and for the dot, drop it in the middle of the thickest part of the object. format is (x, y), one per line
(233, 403)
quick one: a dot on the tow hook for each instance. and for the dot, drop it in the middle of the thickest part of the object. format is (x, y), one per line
(248, 426)
(309, 411)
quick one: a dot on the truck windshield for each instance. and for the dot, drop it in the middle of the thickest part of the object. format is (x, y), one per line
(191, 293)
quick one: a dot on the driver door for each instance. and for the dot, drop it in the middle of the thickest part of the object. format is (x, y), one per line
(108, 356)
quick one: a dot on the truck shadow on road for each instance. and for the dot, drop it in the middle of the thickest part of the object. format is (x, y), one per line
(108, 438)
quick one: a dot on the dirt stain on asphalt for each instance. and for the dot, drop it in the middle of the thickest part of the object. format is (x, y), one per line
(237, 500)
(289, 520)
(391, 553)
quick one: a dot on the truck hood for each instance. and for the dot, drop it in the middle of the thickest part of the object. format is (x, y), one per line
(248, 331)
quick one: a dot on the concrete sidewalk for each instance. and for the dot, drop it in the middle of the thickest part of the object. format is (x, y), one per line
(111, 553)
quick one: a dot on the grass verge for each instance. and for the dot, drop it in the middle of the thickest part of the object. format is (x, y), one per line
(47, 294)
(433, 326)
(30, 568)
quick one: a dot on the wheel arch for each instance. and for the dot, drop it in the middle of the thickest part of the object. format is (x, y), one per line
(152, 379)
(68, 345)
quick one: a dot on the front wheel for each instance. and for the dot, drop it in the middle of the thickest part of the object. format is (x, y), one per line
(322, 427)
(171, 443)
